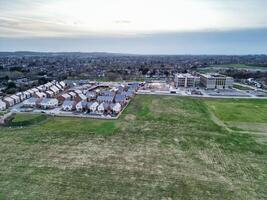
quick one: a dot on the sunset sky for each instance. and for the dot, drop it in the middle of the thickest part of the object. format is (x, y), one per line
(135, 26)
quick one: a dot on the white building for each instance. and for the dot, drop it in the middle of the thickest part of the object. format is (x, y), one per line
(186, 80)
(116, 108)
(59, 86)
(2, 105)
(16, 98)
(49, 93)
(31, 92)
(63, 84)
(101, 108)
(216, 81)
(54, 89)
(72, 94)
(9, 101)
(27, 94)
(35, 90)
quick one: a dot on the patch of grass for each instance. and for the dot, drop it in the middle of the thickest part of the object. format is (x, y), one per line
(27, 119)
(160, 148)
(79, 125)
(240, 110)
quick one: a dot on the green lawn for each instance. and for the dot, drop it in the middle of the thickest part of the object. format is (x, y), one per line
(160, 148)
(240, 110)
(212, 68)
(244, 115)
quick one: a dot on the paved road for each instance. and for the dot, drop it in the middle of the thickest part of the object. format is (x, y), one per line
(199, 96)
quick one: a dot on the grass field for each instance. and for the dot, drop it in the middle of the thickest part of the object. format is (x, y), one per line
(161, 148)
(237, 66)
(250, 115)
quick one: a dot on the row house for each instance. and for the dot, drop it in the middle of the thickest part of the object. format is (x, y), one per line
(39, 95)
(2, 105)
(9, 101)
(64, 97)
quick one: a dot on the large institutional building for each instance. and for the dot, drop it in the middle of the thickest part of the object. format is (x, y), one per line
(186, 80)
(216, 81)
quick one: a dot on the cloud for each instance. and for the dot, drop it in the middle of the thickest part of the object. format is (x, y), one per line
(48, 18)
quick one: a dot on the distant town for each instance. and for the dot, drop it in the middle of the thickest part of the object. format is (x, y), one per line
(100, 85)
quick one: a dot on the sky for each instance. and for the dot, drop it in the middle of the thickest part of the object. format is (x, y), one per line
(135, 26)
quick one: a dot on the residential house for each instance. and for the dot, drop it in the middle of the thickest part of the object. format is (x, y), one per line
(78, 92)
(120, 89)
(81, 106)
(80, 97)
(31, 92)
(31, 102)
(9, 101)
(49, 93)
(21, 96)
(107, 93)
(107, 99)
(59, 86)
(63, 84)
(89, 105)
(68, 105)
(91, 95)
(128, 94)
(101, 108)
(120, 99)
(116, 108)
(35, 90)
(16, 98)
(73, 95)
(133, 86)
(93, 107)
(48, 85)
(2, 105)
(27, 94)
(41, 88)
(49, 103)
(64, 97)
(54, 89)
(39, 95)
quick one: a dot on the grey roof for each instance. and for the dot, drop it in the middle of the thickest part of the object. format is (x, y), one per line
(134, 86)
(68, 103)
(107, 93)
(119, 98)
(46, 100)
(89, 104)
(32, 100)
(91, 94)
(105, 98)
(120, 89)
(128, 93)
(106, 105)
